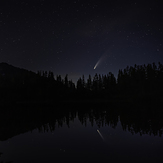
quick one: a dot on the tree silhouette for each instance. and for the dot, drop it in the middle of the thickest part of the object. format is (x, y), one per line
(66, 81)
(134, 82)
(79, 84)
(83, 81)
(95, 83)
(89, 83)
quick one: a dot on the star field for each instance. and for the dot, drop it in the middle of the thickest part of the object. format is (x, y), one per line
(69, 37)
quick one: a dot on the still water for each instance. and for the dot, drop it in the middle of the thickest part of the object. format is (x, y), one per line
(81, 136)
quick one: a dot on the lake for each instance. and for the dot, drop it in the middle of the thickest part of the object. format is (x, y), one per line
(81, 133)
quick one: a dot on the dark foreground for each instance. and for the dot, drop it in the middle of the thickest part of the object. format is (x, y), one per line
(79, 131)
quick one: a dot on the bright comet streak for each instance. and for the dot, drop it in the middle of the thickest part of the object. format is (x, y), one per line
(100, 61)
(100, 135)
(97, 64)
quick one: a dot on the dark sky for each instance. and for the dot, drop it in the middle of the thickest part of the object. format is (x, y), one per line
(71, 36)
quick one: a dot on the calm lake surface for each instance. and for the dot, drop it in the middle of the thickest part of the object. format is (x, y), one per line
(76, 135)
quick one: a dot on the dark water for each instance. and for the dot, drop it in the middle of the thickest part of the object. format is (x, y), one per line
(90, 134)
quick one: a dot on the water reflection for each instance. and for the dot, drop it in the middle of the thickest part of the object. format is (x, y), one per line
(142, 120)
(86, 130)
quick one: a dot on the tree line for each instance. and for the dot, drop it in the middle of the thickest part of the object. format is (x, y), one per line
(141, 80)
(142, 119)
(138, 81)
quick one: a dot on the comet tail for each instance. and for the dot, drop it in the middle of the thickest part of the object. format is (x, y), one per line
(100, 134)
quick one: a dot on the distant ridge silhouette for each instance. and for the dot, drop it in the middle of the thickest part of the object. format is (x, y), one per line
(143, 83)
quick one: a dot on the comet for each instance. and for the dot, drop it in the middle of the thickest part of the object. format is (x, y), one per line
(100, 61)
(97, 63)
(95, 67)
(100, 135)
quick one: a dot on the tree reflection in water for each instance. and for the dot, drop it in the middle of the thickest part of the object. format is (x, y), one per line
(142, 118)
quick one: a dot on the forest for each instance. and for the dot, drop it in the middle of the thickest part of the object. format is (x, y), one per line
(138, 82)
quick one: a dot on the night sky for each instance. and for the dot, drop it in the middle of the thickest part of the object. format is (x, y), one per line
(71, 36)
